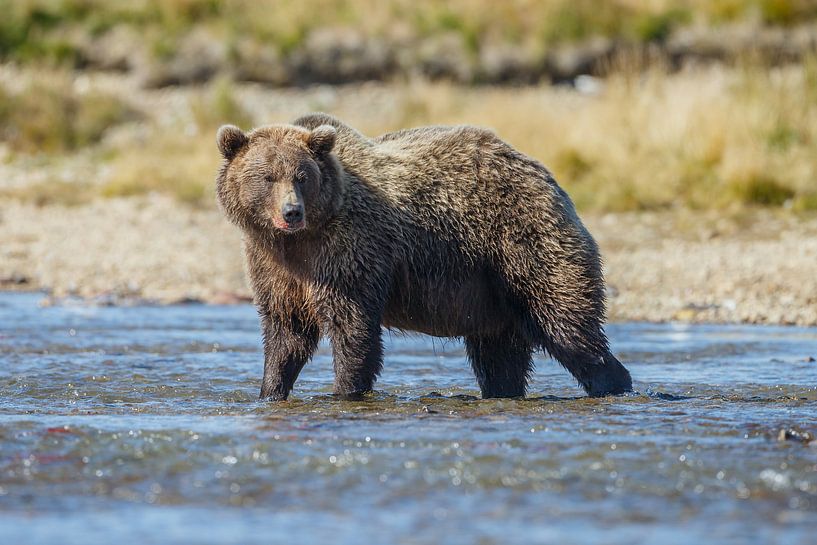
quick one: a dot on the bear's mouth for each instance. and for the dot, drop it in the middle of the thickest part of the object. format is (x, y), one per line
(287, 227)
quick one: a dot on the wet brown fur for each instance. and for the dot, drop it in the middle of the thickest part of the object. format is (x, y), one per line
(447, 231)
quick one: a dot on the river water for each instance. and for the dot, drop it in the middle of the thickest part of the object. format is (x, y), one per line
(140, 425)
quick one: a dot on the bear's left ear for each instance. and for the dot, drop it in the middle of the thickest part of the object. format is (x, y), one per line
(322, 139)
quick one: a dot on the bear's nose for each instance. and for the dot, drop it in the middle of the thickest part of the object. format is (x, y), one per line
(293, 213)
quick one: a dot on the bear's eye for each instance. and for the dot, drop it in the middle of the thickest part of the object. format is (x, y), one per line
(300, 176)
(268, 178)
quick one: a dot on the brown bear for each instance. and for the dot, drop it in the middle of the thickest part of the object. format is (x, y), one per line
(447, 231)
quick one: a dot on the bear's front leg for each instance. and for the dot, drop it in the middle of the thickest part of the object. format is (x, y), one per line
(289, 342)
(357, 347)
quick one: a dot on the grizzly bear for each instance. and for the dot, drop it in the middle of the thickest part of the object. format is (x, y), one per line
(447, 231)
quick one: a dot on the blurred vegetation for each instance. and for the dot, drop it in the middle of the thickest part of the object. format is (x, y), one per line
(183, 168)
(50, 117)
(723, 138)
(218, 106)
(714, 139)
(52, 30)
(172, 162)
(51, 193)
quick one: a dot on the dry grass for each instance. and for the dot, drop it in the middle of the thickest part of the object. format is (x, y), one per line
(183, 167)
(50, 116)
(714, 139)
(726, 139)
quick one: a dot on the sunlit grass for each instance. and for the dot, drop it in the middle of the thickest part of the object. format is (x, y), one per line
(710, 139)
(713, 139)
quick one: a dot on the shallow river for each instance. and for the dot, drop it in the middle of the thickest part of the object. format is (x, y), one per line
(140, 425)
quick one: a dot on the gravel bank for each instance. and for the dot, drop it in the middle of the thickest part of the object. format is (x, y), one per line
(690, 267)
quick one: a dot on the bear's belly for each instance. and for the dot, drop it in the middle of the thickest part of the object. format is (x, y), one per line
(472, 304)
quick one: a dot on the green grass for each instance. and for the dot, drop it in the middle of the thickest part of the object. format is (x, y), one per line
(787, 12)
(805, 203)
(47, 31)
(760, 190)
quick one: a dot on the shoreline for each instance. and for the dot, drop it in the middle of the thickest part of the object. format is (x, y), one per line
(673, 266)
(228, 300)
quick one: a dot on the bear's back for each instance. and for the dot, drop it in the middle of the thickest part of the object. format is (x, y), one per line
(434, 148)
(436, 140)
(430, 169)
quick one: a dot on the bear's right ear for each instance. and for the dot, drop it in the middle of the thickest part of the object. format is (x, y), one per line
(230, 140)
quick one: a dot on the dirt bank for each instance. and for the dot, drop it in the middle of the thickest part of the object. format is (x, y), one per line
(756, 267)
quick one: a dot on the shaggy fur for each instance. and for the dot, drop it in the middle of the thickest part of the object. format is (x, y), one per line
(447, 231)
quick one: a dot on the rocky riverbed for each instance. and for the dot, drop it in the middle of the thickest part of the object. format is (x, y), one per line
(756, 267)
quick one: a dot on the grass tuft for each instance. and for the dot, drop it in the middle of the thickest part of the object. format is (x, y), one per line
(760, 190)
(805, 203)
(787, 12)
(180, 163)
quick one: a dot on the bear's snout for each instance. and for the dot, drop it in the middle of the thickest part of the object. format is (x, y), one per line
(292, 217)
(293, 213)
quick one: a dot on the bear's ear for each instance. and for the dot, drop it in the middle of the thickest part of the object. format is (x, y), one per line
(322, 139)
(230, 140)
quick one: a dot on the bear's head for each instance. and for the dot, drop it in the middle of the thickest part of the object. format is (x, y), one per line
(278, 179)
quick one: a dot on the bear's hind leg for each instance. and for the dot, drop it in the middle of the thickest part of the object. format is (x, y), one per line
(598, 375)
(579, 343)
(502, 364)
(566, 302)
